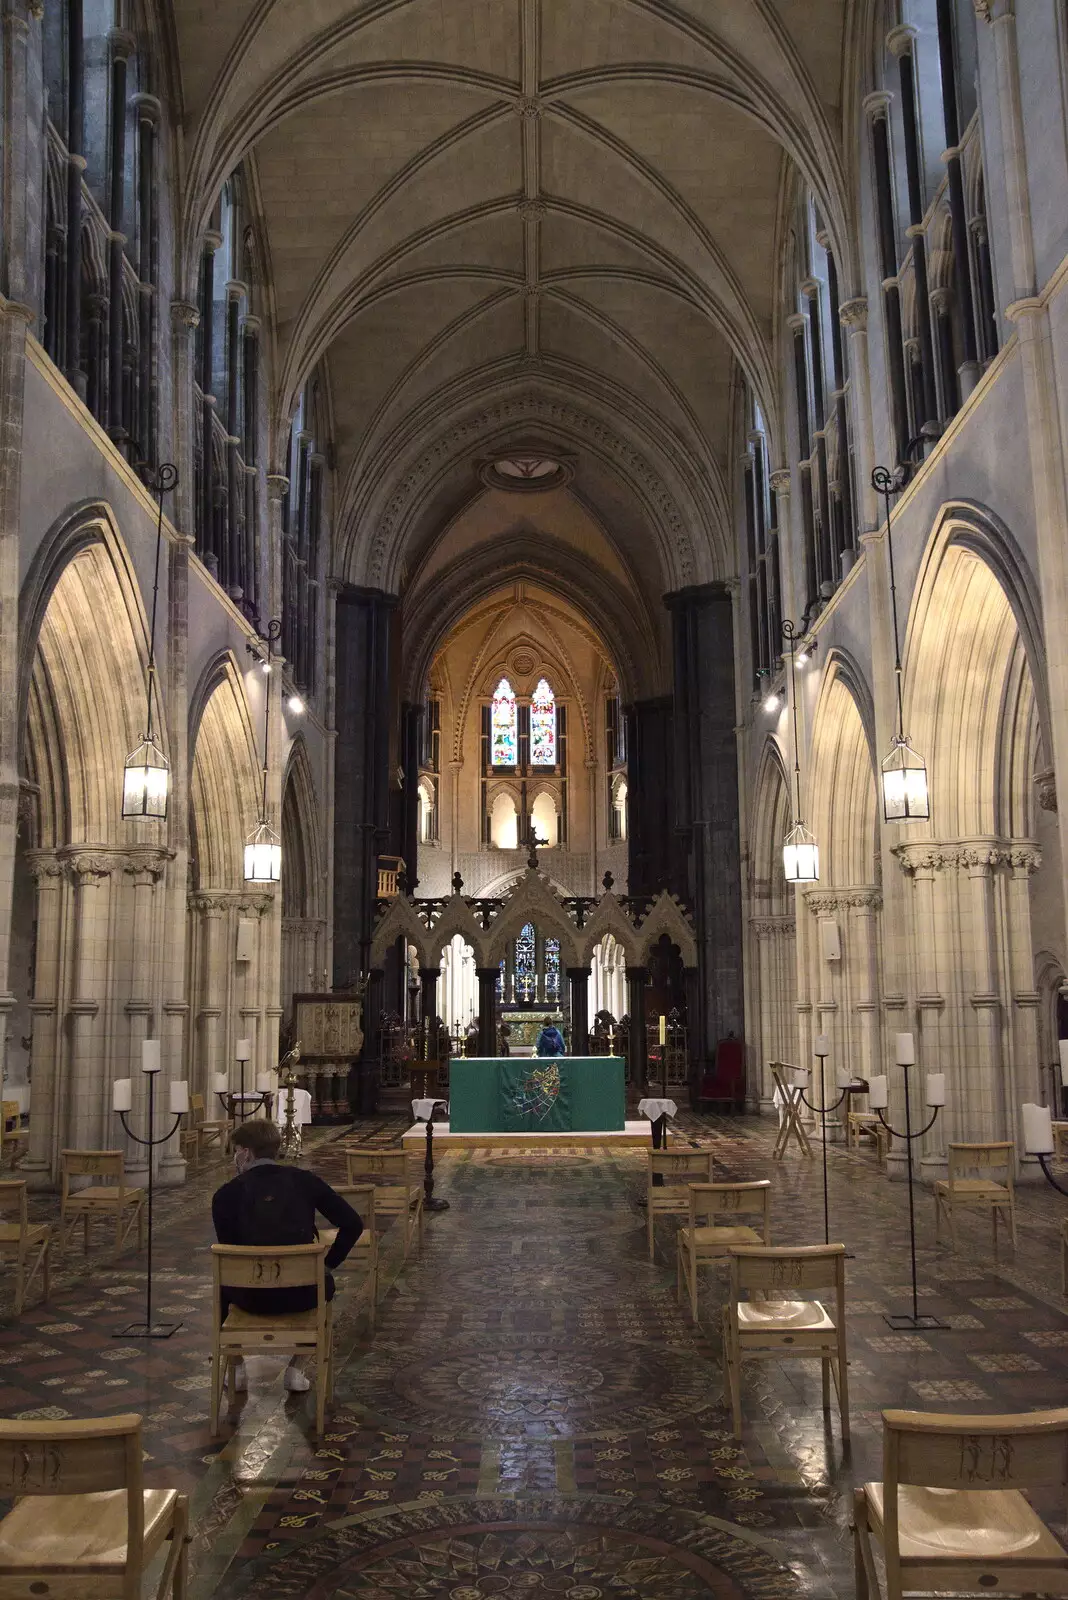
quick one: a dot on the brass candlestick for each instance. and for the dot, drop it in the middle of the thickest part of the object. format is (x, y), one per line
(287, 1081)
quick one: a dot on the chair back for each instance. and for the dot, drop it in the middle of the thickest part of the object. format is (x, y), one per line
(729, 1200)
(680, 1166)
(1023, 1451)
(96, 1454)
(387, 1166)
(196, 1107)
(285, 1266)
(798, 1272)
(13, 1201)
(361, 1197)
(992, 1161)
(92, 1164)
(9, 1109)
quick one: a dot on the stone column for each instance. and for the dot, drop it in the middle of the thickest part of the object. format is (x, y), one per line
(142, 870)
(13, 322)
(211, 1053)
(22, 167)
(864, 936)
(85, 1110)
(853, 315)
(39, 1165)
(637, 978)
(487, 1010)
(983, 1112)
(578, 979)
(925, 937)
(780, 483)
(1026, 1078)
(428, 1004)
(1001, 15)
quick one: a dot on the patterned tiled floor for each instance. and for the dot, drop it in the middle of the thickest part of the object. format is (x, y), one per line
(534, 1413)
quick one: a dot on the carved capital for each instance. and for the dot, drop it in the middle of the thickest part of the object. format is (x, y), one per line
(913, 858)
(1046, 789)
(184, 314)
(780, 480)
(277, 485)
(773, 927)
(854, 313)
(1024, 858)
(979, 858)
(206, 904)
(899, 41)
(45, 867)
(86, 868)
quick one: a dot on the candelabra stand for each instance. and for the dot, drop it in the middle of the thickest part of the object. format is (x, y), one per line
(427, 1107)
(901, 1320)
(1043, 1161)
(291, 1134)
(149, 1329)
(823, 1111)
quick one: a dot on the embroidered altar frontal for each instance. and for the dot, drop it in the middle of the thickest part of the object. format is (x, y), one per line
(549, 1094)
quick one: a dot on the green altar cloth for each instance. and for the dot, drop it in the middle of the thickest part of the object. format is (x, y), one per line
(532, 1094)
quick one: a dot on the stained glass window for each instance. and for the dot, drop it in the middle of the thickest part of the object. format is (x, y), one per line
(526, 966)
(542, 726)
(503, 730)
(552, 970)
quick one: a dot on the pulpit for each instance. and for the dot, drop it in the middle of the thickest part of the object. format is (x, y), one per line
(330, 1030)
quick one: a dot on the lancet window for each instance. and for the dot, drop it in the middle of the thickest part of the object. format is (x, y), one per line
(543, 726)
(504, 727)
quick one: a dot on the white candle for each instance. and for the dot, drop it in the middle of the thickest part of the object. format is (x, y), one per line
(122, 1094)
(1062, 1046)
(878, 1097)
(150, 1055)
(843, 1078)
(219, 1083)
(906, 1050)
(179, 1098)
(1037, 1130)
(936, 1089)
(243, 1050)
(822, 1047)
(263, 1082)
(663, 1028)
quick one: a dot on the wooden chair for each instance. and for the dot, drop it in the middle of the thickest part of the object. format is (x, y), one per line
(676, 1169)
(951, 1515)
(289, 1266)
(83, 1527)
(118, 1200)
(399, 1192)
(983, 1190)
(867, 1125)
(791, 1126)
(363, 1257)
(773, 1326)
(28, 1244)
(12, 1134)
(706, 1240)
(199, 1134)
(1060, 1140)
(424, 1080)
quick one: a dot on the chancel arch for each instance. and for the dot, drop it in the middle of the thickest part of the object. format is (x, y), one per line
(89, 894)
(976, 878)
(772, 991)
(838, 938)
(232, 926)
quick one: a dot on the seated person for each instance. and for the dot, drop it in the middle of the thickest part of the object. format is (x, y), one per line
(269, 1203)
(551, 1040)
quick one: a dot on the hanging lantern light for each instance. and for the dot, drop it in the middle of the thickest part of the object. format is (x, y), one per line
(800, 852)
(906, 797)
(263, 847)
(146, 774)
(800, 856)
(146, 782)
(906, 792)
(263, 855)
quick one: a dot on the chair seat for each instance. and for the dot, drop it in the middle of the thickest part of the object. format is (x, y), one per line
(239, 1321)
(975, 1188)
(11, 1233)
(45, 1534)
(768, 1316)
(709, 1238)
(955, 1525)
(101, 1195)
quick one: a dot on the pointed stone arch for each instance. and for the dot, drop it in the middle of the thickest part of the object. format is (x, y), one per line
(224, 791)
